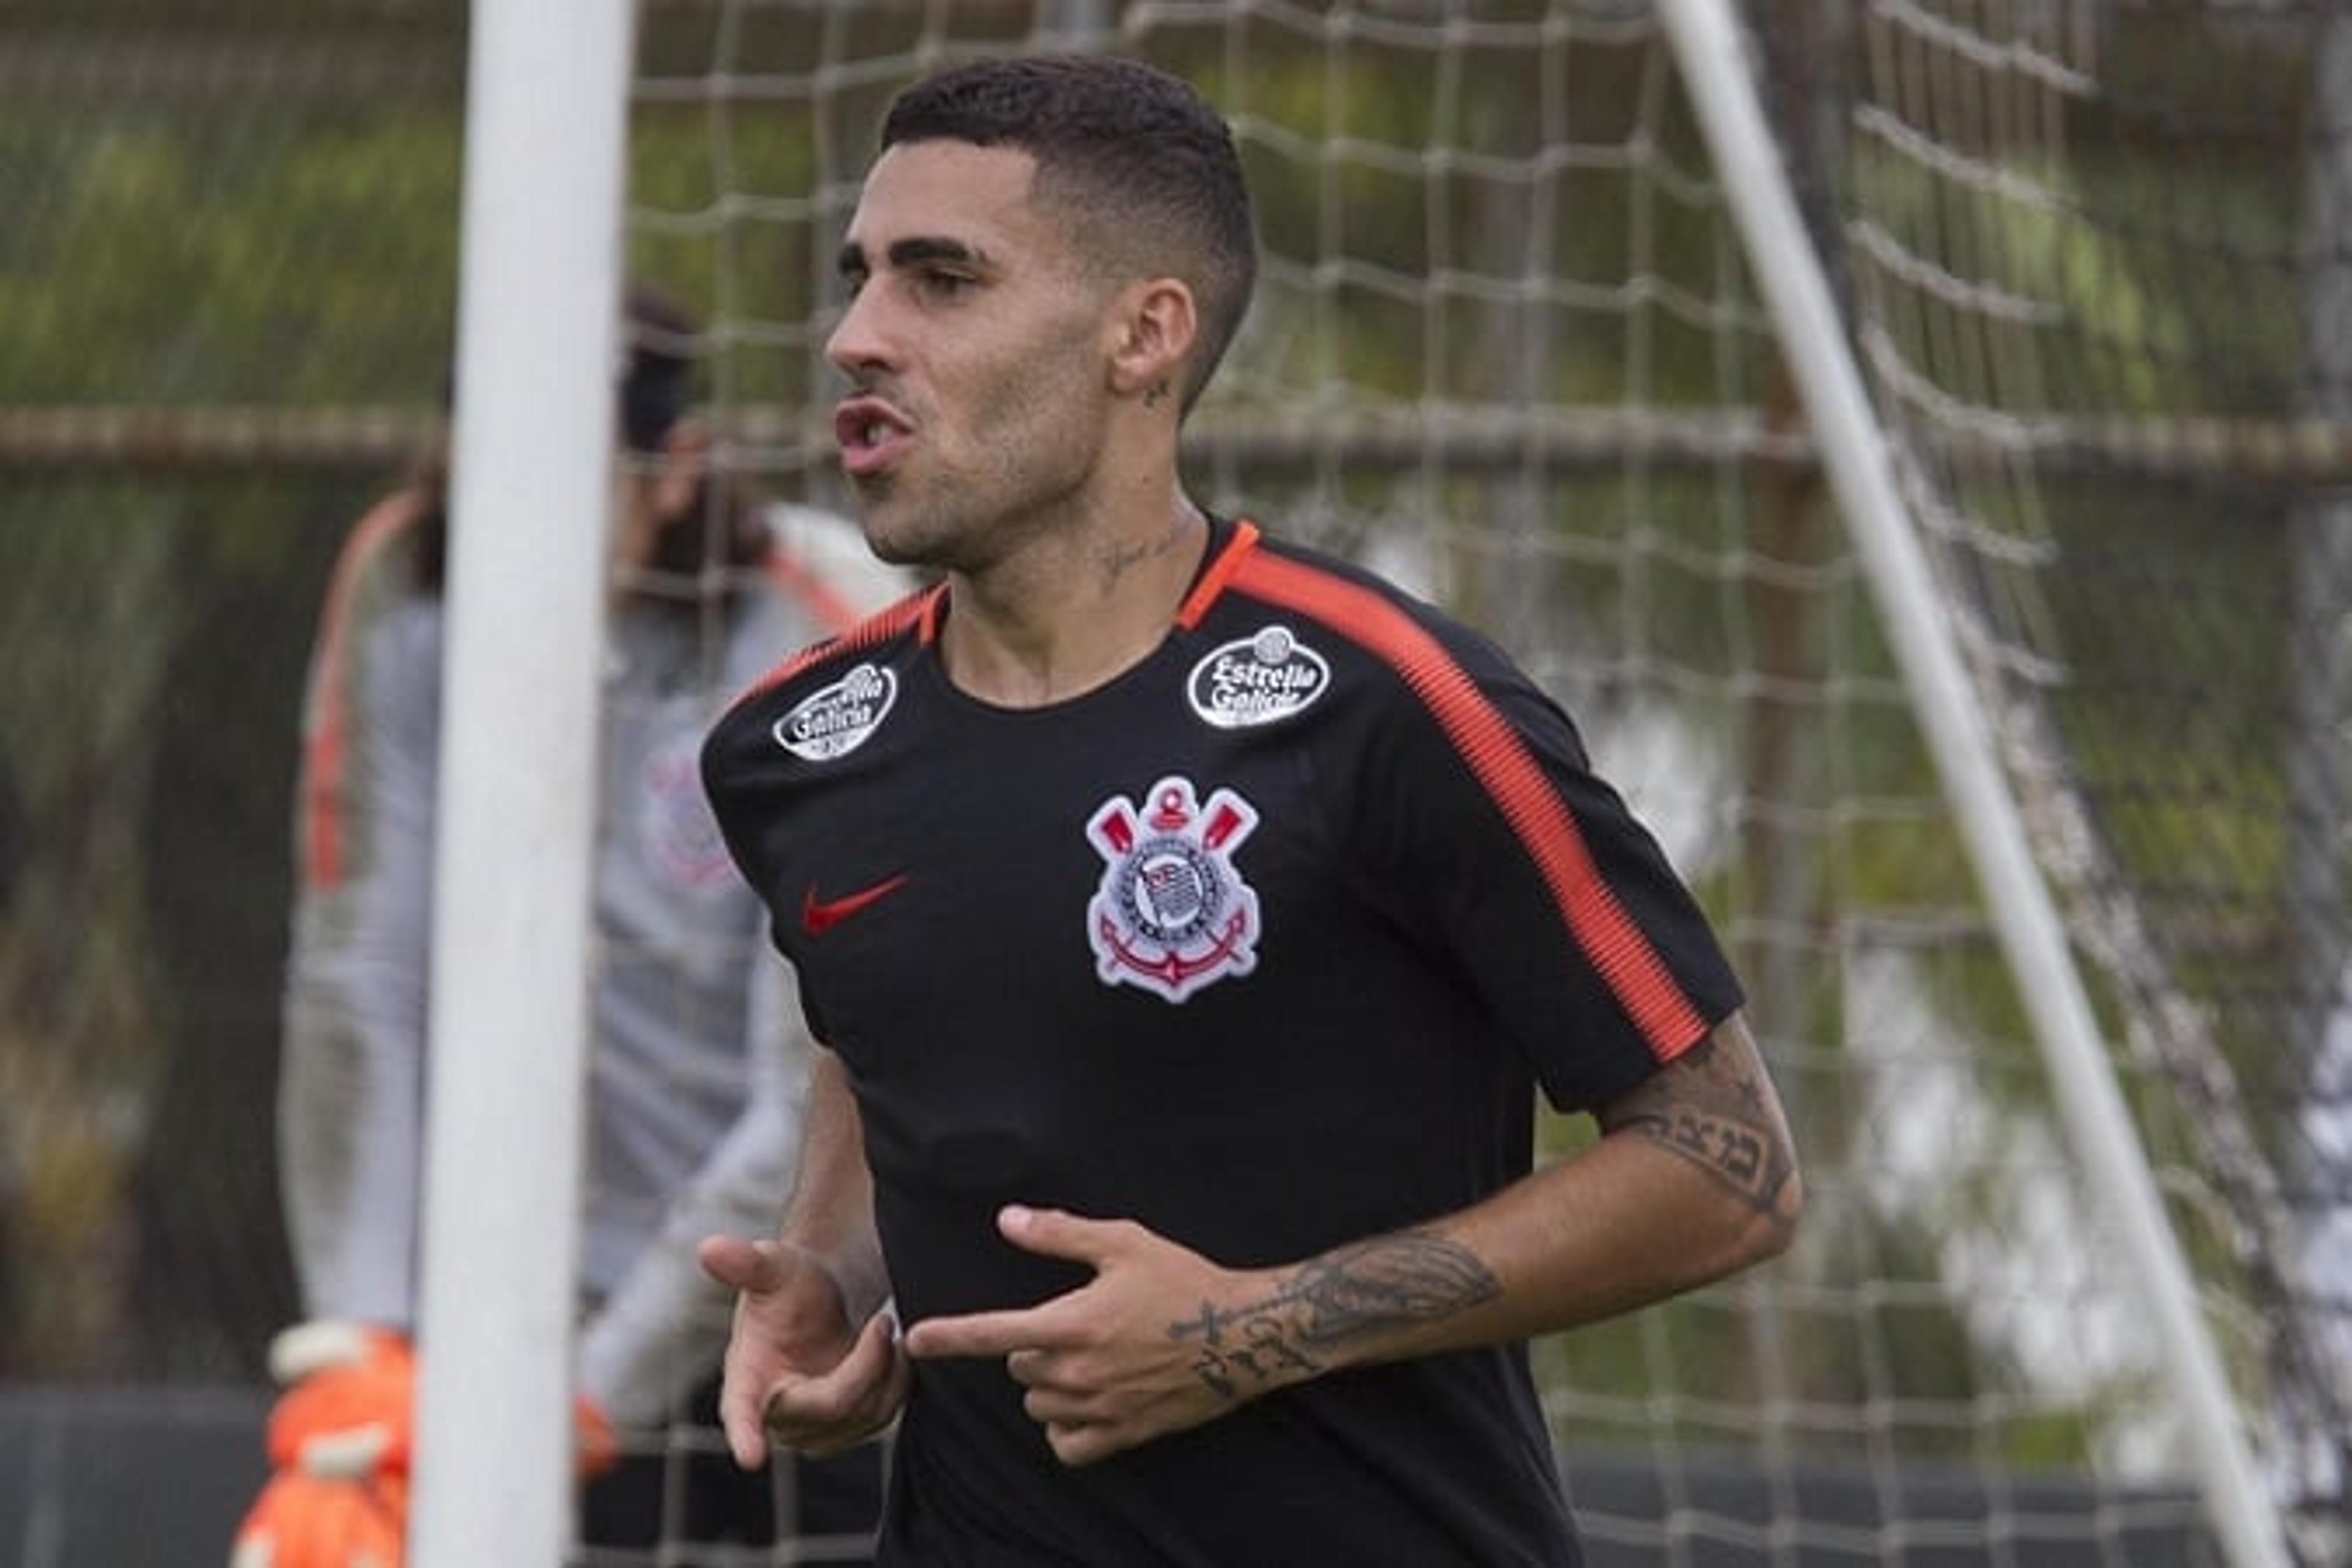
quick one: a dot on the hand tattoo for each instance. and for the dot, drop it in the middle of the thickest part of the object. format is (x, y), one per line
(1410, 1277)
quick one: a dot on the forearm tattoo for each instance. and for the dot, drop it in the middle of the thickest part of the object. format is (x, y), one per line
(1363, 1288)
(1710, 1109)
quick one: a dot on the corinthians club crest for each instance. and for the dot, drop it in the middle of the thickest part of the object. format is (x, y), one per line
(1172, 913)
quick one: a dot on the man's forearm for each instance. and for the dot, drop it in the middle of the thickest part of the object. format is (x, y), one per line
(831, 1213)
(1694, 1179)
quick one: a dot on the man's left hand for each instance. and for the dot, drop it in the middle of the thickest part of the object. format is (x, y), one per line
(1159, 1339)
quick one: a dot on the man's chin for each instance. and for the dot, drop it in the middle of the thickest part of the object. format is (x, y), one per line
(891, 546)
(897, 534)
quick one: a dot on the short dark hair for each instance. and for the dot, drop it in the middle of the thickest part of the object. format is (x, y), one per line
(1138, 161)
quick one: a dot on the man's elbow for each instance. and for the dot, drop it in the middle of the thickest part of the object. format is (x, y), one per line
(1776, 1228)
(1729, 1227)
(1762, 1226)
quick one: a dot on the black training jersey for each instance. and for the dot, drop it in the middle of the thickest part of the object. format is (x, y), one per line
(1265, 944)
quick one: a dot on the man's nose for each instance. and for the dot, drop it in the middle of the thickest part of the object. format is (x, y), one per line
(857, 340)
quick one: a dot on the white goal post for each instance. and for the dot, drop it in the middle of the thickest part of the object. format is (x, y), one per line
(532, 487)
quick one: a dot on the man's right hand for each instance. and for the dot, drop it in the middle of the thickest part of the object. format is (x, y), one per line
(797, 1374)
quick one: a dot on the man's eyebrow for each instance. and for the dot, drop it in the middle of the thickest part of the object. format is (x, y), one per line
(915, 251)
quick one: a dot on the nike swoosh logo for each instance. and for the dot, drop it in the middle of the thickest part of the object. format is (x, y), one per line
(819, 916)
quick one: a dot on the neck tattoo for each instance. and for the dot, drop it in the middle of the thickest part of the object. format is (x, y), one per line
(1121, 559)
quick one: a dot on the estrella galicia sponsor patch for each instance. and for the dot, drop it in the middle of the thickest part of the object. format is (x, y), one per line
(1171, 913)
(836, 720)
(1258, 680)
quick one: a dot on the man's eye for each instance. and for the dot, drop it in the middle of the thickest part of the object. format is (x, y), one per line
(947, 285)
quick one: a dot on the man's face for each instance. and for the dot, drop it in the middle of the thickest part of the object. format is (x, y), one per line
(975, 350)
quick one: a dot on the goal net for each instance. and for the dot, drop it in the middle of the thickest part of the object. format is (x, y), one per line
(2094, 259)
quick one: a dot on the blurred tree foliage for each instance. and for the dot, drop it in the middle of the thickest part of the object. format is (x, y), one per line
(206, 221)
(199, 218)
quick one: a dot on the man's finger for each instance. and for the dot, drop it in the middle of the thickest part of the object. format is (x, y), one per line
(748, 1268)
(1027, 1367)
(741, 1265)
(1048, 1233)
(1078, 1444)
(738, 1415)
(797, 1403)
(980, 1334)
(868, 1364)
(1055, 1233)
(822, 1415)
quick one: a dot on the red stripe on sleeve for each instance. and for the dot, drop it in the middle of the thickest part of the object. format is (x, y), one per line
(326, 739)
(1622, 954)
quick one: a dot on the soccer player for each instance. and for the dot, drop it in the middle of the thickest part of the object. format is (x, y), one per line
(1190, 922)
(697, 1059)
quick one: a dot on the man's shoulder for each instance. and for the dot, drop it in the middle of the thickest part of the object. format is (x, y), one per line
(1322, 583)
(838, 669)
(1381, 607)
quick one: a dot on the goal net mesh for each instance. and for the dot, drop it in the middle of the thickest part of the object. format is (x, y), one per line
(1508, 348)
(2094, 258)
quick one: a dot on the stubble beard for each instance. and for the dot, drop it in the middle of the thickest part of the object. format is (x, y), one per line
(873, 496)
(965, 526)
(909, 530)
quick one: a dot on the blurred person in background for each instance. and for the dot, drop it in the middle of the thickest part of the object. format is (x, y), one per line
(697, 1064)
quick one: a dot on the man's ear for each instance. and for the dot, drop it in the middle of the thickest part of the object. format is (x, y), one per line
(1154, 327)
(676, 480)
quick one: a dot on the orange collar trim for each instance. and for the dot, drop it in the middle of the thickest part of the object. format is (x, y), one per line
(1219, 573)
